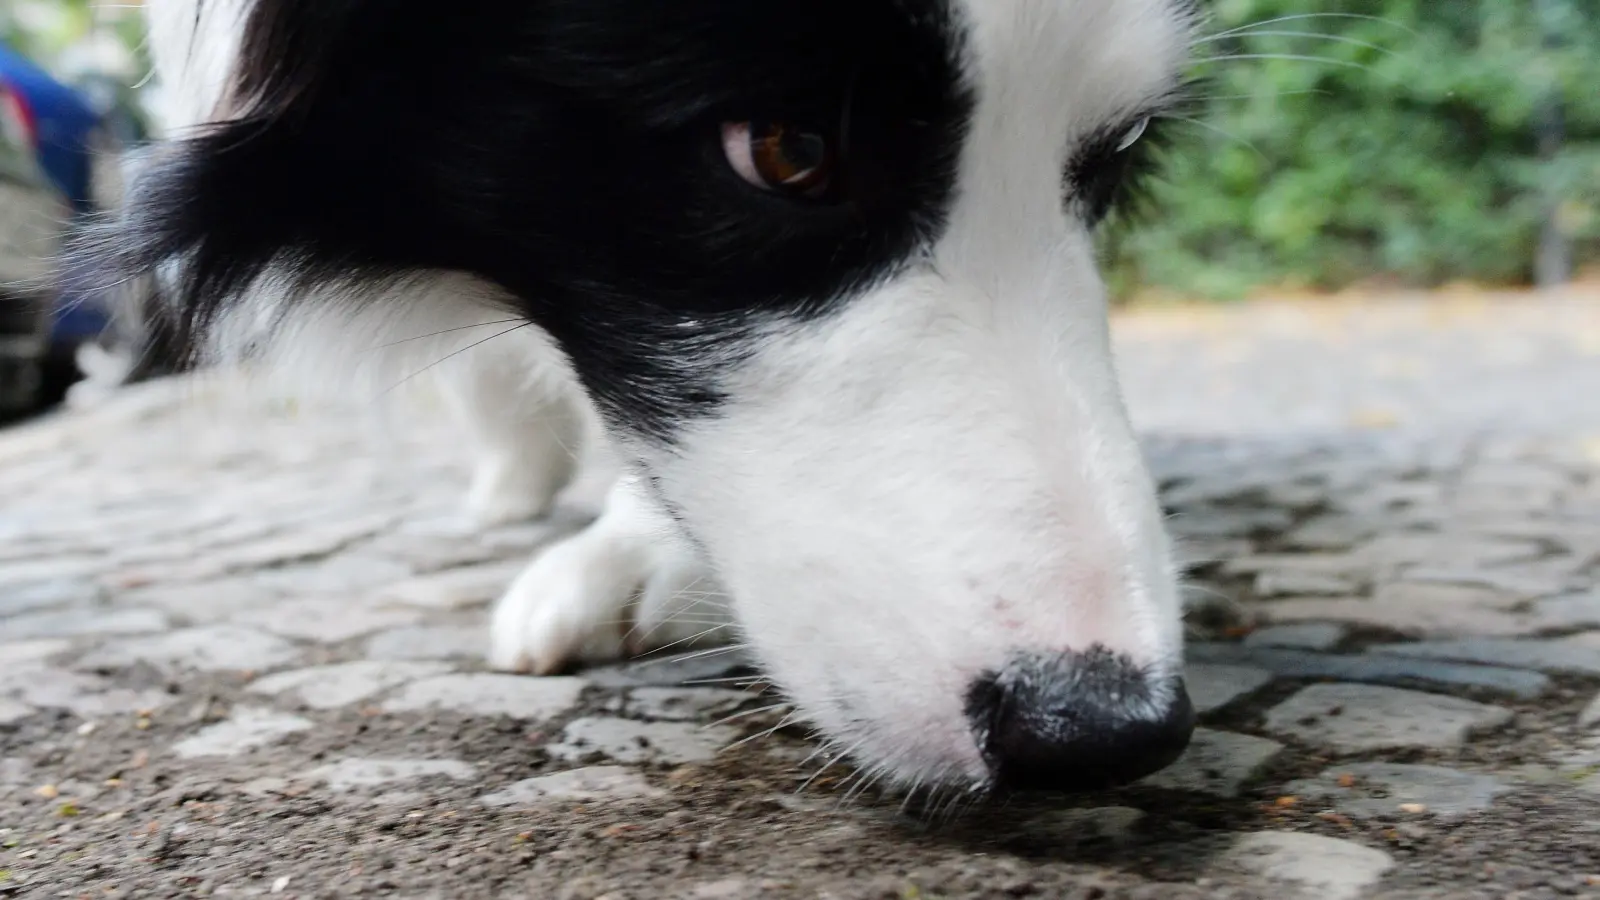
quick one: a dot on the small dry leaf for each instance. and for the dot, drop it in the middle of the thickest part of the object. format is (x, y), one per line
(1347, 780)
(48, 791)
(1286, 801)
(1413, 808)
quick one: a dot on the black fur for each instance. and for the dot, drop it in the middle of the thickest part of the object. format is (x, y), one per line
(569, 152)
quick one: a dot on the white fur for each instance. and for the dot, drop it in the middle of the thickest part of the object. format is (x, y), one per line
(624, 585)
(898, 497)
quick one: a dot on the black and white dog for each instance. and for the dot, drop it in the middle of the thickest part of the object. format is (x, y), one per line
(819, 275)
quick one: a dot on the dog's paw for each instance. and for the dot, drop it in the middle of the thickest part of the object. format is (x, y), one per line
(508, 490)
(617, 589)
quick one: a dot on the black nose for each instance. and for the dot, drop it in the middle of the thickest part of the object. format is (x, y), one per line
(1077, 721)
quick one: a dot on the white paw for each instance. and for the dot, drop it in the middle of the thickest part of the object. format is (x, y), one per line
(507, 490)
(618, 588)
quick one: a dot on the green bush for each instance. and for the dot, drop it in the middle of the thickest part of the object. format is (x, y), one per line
(1409, 153)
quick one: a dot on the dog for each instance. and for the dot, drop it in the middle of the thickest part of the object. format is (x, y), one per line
(818, 279)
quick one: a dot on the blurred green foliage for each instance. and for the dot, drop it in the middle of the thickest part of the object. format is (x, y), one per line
(52, 32)
(1409, 152)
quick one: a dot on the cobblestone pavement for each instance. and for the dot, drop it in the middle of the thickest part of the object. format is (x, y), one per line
(240, 640)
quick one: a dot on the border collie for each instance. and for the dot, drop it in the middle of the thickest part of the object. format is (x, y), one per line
(818, 276)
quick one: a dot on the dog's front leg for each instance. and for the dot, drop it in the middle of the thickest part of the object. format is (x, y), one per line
(623, 586)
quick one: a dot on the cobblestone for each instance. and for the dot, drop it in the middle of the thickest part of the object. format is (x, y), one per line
(359, 774)
(330, 687)
(1386, 789)
(329, 620)
(1311, 636)
(627, 741)
(1375, 668)
(1549, 656)
(218, 648)
(589, 783)
(1217, 763)
(1212, 687)
(1316, 867)
(245, 730)
(1352, 718)
(435, 642)
(245, 635)
(490, 695)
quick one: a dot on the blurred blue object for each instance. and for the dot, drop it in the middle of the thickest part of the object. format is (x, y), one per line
(64, 123)
(67, 130)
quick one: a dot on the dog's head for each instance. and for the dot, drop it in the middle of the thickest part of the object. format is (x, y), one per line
(827, 270)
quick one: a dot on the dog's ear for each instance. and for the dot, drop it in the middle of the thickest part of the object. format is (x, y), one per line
(313, 169)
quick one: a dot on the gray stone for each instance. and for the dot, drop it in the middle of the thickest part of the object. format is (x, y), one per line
(1228, 522)
(1366, 790)
(1321, 636)
(1590, 715)
(1518, 583)
(455, 588)
(12, 711)
(28, 574)
(43, 594)
(90, 696)
(357, 774)
(1545, 655)
(344, 575)
(1574, 610)
(1213, 686)
(627, 741)
(1402, 549)
(1356, 718)
(427, 554)
(204, 603)
(1418, 616)
(585, 784)
(1374, 669)
(27, 653)
(330, 687)
(429, 642)
(1304, 584)
(491, 695)
(313, 542)
(244, 730)
(1318, 868)
(1329, 532)
(211, 648)
(82, 621)
(1217, 763)
(681, 704)
(326, 619)
(1336, 565)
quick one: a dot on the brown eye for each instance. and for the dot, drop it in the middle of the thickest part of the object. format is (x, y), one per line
(777, 157)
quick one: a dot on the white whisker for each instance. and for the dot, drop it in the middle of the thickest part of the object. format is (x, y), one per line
(1304, 16)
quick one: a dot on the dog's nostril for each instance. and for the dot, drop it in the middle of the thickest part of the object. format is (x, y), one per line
(1077, 721)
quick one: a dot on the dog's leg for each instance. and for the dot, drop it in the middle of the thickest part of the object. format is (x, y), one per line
(623, 586)
(527, 432)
